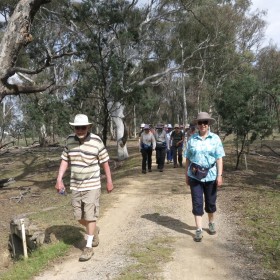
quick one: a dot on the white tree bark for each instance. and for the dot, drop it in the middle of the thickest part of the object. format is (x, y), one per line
(116, 110)
(16, 37)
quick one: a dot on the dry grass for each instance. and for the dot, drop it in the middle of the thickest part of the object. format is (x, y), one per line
(253, 202)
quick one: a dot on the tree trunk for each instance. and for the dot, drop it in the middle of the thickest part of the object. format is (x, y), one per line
(116, 111)
(43, 136)
(16, 37)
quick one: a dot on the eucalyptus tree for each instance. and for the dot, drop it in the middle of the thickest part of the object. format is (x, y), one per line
(30, 45)
(213, 39)
(119, 43)
(268, 71)
(243, 111)
(16, 37)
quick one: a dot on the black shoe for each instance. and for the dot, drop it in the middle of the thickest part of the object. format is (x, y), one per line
(161, 170)
(144, 171)
(150, 170)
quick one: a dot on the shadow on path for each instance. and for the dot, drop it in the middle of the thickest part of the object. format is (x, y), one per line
(170, 223)
(71, 235)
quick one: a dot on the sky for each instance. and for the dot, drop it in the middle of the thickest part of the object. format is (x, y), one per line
(272, 7)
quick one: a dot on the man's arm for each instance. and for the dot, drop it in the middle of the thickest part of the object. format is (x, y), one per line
(62, 169)
(107, 171)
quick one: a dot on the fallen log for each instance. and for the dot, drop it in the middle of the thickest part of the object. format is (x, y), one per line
(6, 182)
(263, 145)
(6, 144)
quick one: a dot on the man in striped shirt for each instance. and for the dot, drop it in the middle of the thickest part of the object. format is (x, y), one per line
(85, 152)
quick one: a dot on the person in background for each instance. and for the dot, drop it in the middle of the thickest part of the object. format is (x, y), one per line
(141, 129)
(189, 131)
(204, 170)
(140, 132)
(182, 128)
(161, 146)
(169, 152)
(152, 130)
(84, 152)
(177, 139)
(147, 145)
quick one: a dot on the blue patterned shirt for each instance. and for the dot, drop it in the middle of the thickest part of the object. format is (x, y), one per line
(205, 152)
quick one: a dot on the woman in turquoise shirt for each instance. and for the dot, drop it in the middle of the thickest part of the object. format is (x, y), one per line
(204, 168)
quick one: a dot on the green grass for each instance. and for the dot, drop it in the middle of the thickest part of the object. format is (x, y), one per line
(149, 259)
(263, 226)
(25, 269)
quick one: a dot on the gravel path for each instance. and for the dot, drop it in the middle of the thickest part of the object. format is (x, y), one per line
(155, 205)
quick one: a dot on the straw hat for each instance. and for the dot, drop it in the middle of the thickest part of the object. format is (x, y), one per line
(203, 116)
(80, 120)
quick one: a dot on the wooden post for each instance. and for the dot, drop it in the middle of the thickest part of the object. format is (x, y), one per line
(23, 237)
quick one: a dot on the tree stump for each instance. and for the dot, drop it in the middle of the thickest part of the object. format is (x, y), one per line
(34, 236)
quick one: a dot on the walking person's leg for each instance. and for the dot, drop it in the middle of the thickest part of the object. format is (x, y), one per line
(149, 154)
(86, 211)
(180, 157)
(169, 156)
(210, 195)
(144, 160)
(197, 206)
(158, 158)
(174, 151)
(163, 155)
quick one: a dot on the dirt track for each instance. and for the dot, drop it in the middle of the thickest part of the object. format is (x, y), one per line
(155, 205)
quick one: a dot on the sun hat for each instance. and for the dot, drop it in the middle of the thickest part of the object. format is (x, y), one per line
(203, 116)
(146, 126)
(176, 125)
(142, 125)
(159, 126)
(80, 120)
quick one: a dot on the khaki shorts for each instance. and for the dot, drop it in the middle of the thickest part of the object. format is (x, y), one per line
(86, 204)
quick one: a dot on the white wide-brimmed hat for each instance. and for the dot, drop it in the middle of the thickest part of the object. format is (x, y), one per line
(80, 120)
(204, 116)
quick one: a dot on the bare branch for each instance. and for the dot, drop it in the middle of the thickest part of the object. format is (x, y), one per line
(16, 37)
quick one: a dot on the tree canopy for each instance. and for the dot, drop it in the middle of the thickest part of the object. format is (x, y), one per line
(162, 61)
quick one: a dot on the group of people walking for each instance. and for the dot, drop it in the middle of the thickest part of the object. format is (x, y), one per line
(166, 141)
(84, 152)
(204, 154)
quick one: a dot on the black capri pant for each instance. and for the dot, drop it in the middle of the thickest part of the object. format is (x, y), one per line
(203, 193)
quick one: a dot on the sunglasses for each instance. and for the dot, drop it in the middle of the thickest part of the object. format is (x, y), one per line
(80, 127)
(202, 122)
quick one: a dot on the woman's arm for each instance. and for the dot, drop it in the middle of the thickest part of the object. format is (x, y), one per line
(187, 167)
(219, 172)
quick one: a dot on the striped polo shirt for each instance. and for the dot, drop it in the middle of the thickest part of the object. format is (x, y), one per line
(85, 160)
